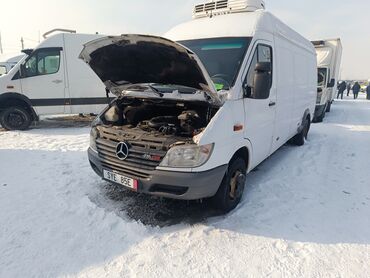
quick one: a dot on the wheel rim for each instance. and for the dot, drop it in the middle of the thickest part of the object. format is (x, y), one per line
(15, 120)
(236, 185)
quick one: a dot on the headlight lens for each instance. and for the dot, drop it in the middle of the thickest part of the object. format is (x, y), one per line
(94, 133)
(188, 156)
(93, 136)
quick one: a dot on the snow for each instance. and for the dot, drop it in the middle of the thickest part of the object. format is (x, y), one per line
(305, 212)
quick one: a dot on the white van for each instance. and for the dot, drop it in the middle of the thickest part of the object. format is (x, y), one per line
(197, 110)
(51, 80)
(329, 56)
(8, 62)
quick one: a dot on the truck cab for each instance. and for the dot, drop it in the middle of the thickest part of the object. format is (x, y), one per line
(51, 80)
(329, 54)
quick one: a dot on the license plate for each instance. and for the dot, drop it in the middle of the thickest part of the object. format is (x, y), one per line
(117, 178)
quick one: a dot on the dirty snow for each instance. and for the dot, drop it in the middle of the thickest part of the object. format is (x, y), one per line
(305, 213)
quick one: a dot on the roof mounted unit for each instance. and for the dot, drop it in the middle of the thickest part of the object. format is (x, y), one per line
(226, 7)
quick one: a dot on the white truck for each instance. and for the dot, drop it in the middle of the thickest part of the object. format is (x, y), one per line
(199, 109)
(50, 80)
(329, 56)
(8, 62)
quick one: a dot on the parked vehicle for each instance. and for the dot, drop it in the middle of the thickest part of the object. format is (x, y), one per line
(8, 62)
(51, 80)
(329, 56)
(193, 117)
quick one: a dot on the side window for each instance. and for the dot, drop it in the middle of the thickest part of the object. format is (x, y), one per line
(42, 62)
(30, 66)
(263, 53)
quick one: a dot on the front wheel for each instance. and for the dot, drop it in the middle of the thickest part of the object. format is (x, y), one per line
(15, 118)
(231, 189)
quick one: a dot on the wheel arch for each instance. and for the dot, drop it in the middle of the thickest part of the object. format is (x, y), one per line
(244, 154)
(306, 115)
(10, 98)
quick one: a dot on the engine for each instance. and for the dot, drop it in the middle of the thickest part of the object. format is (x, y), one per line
(167, 118)
(188, 123)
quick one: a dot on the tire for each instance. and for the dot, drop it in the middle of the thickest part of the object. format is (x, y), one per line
(328, 108)
(231, 189)
(320, 118)
(300, 138)
(15, 118)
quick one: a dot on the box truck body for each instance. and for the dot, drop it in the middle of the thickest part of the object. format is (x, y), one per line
(329, 56)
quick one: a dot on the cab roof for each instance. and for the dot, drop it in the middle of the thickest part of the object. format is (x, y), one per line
(243, 24)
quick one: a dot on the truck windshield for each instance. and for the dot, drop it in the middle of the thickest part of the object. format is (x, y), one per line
(222, 57)
(2, 70)
(322, 77)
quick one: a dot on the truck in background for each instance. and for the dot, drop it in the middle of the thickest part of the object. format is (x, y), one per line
(8, 62)
(329, 56)
(50, 80)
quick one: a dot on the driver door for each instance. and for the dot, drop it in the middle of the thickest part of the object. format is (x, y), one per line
(43, 80)
(259, 113)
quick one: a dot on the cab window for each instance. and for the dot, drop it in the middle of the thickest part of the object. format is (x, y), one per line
(43, 62)
(263, 53)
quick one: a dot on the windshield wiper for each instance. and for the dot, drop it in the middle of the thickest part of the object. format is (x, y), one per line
(145, 85)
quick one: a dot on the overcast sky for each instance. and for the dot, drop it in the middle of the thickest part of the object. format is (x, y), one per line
(315, 19)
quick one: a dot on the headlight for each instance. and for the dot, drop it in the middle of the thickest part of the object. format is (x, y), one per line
(97, 121)
(94, 134)
(188, 156)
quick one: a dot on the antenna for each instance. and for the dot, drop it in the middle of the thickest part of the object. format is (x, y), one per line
(22, 43)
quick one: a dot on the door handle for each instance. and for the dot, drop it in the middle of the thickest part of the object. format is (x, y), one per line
(57, 81)
(272, 103)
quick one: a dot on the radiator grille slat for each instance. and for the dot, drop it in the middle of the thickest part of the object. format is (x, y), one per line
(145, 153)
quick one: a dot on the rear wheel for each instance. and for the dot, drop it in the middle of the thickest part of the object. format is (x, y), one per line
(321, 117)
(300, 138)
(15, 118)
(231, 189)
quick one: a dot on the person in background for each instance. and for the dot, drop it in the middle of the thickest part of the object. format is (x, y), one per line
(341, 89)
(368, 92)
(356, 89)
(348, 88)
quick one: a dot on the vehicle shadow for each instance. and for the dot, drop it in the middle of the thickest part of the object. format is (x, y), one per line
(154, 211)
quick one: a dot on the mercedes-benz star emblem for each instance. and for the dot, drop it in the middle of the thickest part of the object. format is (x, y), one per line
(122, 150)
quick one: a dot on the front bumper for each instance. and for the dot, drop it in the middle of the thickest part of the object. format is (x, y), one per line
(176, 185)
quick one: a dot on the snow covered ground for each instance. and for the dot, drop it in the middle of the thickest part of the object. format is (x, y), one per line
(305, 213)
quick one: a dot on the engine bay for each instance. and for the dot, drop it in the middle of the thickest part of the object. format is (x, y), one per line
(167, 117)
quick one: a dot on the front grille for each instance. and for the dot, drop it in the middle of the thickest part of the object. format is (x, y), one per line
(140, 163)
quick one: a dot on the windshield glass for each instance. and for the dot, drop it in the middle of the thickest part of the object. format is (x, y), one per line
(222, 58)
(2, 70)
(321, 78)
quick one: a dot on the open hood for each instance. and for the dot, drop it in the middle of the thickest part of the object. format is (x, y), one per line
(121, 61)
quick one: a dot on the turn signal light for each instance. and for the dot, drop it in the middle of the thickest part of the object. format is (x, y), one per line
(238, 127)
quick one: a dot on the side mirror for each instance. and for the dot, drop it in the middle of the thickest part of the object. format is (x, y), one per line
(331, 84)
(22, 71)
(262, 80)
